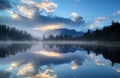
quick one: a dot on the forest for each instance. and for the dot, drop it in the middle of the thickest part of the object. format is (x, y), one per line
(11, 33)
(107, 33)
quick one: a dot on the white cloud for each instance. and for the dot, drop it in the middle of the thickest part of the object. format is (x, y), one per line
(117, 13)
(75, 16)
(99, 19)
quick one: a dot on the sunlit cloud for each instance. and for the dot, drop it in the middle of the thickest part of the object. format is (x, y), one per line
(117, 13)
(49, 53)
(27, 69)
(48, 27)
(45, 5)
(27, 12)
(48, 6)
(99, 19)
(74, 65)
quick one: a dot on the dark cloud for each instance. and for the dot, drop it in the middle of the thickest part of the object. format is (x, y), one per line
(40, 20)
(59, 20)
(5, 4)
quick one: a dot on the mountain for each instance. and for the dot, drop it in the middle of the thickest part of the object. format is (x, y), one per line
(64, 31)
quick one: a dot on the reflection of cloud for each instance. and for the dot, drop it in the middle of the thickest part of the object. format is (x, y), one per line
(48, 27)
(98, 62)
(92, 55)
(48, 73)
(13, 65)
(118, 70)
(49, 53)
(74, 65)
(116, 67)
(27, 69)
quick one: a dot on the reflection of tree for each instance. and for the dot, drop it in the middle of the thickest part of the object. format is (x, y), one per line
(12, 49)
(111, 53)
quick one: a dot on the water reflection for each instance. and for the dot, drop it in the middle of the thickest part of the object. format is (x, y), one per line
(60, 61)
(11, 49)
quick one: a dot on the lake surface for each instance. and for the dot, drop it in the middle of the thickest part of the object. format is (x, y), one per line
(48, 60)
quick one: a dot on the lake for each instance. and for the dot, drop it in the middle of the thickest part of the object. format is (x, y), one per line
(57, 60)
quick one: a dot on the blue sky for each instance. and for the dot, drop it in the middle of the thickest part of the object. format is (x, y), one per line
(81, 15)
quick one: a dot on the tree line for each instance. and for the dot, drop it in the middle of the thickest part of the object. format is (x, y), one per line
(11, 33)
(107, 33)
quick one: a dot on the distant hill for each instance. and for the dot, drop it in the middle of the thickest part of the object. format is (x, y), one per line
(107, 33)
(64, 31)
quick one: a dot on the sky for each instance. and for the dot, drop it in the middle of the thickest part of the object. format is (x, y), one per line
(37, 16)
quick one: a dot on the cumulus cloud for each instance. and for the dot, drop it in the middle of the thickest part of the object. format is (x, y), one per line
(99, 19)
(26, 11)
(75, 17)
(48, 7)
(5, 4)
(117, 13)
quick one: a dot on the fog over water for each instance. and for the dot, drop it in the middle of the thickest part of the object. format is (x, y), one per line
(57, 60)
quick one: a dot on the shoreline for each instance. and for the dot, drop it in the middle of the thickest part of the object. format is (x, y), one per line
(97, 43)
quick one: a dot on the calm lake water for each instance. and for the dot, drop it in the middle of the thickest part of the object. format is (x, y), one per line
(47, 60)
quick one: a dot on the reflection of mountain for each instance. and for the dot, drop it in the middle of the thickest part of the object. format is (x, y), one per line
(63, 31)
(12, 49)
(111, 53)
